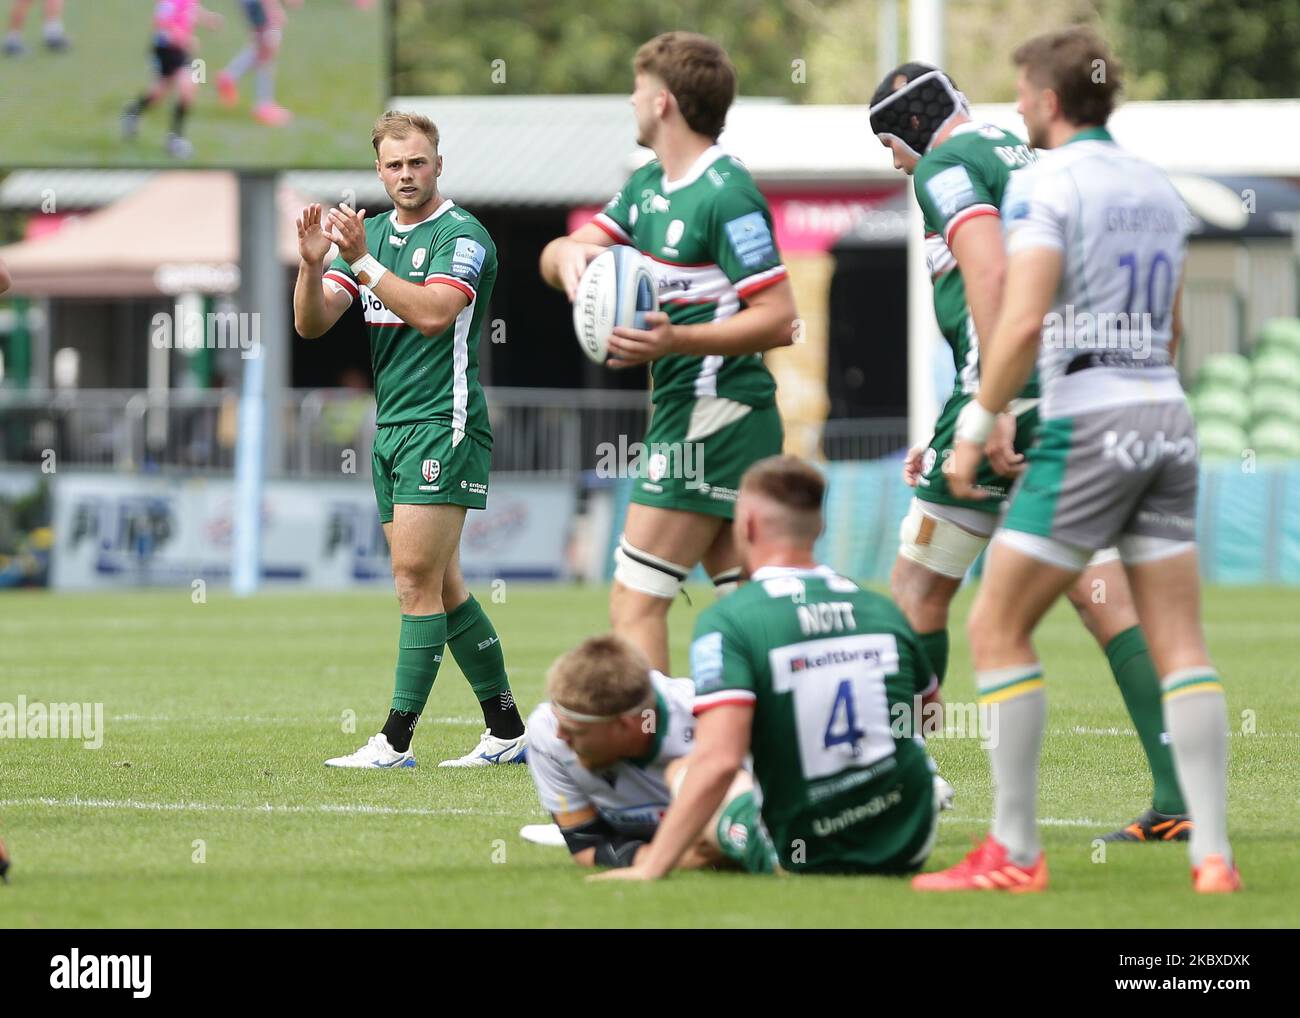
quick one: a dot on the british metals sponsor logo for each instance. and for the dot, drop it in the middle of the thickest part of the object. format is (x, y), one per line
(950, 720)
(654, 462)
(187, 329)
(1100, 331)
(75, 971)
(83, 722)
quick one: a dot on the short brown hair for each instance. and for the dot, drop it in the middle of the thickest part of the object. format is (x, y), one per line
(1077, 65)
(698, 73)
(602, 676)
(396, 124)
(793, 484)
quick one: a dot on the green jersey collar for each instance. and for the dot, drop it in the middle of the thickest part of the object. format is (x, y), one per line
(657, 737)
(1092, 134)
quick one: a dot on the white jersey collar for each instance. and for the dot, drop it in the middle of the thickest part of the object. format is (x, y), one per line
(772, 572)
(706, 159)
(403, 227)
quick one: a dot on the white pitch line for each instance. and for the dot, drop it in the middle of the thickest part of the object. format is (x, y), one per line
(76, 802)
(1044, 821)
(1130, 733)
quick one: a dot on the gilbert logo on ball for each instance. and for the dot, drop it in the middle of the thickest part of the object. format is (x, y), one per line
(430, 470)
(617, 289)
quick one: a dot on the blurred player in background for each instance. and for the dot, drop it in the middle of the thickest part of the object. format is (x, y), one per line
(817, 679)
(960, 169)
(424, 274)
(266, 20)
(706, 232)
(1091, 231)
(56, 39)
(174, 42)
(607, 752)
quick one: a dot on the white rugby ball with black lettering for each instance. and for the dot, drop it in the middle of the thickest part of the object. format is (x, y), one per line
(617, 289)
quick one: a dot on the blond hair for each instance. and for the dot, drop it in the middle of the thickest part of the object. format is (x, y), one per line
(396, 124)
(602, 676)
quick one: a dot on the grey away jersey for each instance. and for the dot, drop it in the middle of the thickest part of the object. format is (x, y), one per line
(1121, 228)
(631, 795)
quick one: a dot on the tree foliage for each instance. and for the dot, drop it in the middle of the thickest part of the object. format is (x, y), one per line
(825, 50)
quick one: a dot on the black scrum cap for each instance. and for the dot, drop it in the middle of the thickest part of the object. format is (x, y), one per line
(918, 110)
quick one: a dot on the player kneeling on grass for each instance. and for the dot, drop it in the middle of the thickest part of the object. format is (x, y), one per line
(607, 752)
(810, 674)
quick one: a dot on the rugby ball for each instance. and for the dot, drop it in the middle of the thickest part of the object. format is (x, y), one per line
(617, 289)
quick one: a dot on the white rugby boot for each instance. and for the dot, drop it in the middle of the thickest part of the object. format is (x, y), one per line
(491, 750)
(377, 752)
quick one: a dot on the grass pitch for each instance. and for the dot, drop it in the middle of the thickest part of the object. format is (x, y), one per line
(63, 108)
(208, 805)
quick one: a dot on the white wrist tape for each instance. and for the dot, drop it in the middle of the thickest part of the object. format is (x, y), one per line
(368, 270)
(974, 423)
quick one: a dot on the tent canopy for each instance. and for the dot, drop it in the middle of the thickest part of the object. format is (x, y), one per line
(177, 233)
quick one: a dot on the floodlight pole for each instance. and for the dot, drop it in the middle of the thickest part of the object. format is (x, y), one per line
(259, 448)
(924, 42)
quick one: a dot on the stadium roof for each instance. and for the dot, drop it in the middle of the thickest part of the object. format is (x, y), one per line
(577, 150)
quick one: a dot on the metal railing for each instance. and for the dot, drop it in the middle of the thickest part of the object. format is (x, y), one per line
(864, 438)
(320, 432)
(326, 432)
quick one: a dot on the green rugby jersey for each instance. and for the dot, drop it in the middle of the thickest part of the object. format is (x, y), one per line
(955, 182)
(419, 378)
(708, 238)
(830, 669)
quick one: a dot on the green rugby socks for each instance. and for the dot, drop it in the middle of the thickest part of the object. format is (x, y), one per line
(476, 647)
(419, 652)
(1130, 663)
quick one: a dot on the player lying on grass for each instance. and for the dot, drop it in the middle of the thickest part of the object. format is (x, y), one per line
(424, 274)
(706, 233)
(812, 675)
(56, 38)
(607, 750)
(1094, 235)
(174, 41)
(960, 169)
(266, 21)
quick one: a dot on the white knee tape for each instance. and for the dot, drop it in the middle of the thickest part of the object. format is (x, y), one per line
(942, 547)
(726, 582)
(640, 571)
